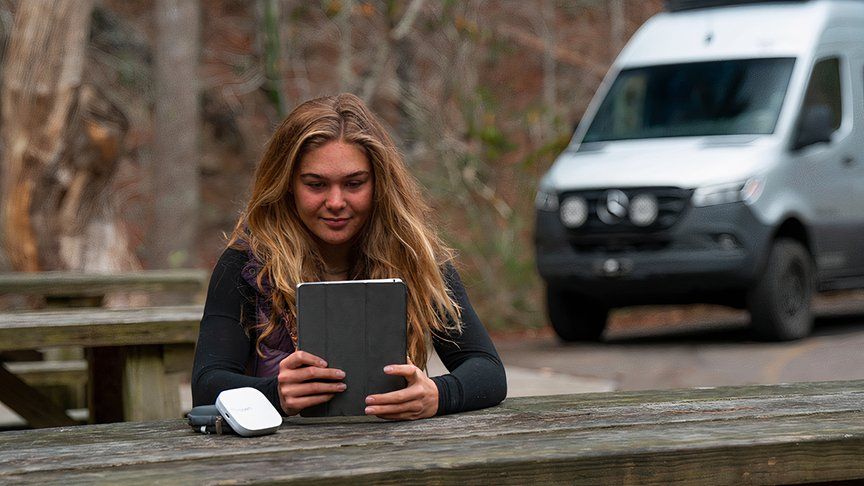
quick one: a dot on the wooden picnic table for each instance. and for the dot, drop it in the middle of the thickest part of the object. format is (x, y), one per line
(776, 434)
(88, 284)
(122, 348)
(131, 355)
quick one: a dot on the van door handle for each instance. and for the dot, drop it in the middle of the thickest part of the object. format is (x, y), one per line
(848, 161)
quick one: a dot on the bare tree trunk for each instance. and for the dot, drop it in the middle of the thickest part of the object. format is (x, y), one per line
(272, 58)
(174, 168)
(405, 55)
(550, 84)
(40, 103)
(61, 143)
(91, 237)
(394, 34)
(346, 51)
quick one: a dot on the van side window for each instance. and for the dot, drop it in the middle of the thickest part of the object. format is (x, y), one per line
(822, 112)
(824, 89)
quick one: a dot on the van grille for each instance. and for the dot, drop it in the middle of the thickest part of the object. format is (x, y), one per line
(672, 203)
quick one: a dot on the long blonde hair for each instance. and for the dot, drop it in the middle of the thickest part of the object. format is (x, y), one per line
(396, 241)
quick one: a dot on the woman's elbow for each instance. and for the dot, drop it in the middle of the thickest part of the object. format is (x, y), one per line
(498, 388)
(202, 391)
(494, 385)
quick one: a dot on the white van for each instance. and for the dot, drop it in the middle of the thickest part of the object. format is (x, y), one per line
(721, 161)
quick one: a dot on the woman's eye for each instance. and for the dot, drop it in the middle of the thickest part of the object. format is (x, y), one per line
(355, 183)
(315, 185)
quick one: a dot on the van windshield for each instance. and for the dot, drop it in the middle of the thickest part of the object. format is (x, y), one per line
(728, 97)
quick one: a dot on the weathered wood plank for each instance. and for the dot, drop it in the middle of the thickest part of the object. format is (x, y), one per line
(63, 382)
(764, 435)
(178, 357)
(147, 391)
(583, 411)
(685, 395)
(50, 372)
(536, 458)
(30, 404)
(99, 327)
(121, 379)
(93, 284)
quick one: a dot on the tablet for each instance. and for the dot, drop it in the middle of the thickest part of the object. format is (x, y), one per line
(358, 326)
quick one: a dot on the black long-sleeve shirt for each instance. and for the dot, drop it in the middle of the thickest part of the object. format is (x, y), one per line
(476, 379)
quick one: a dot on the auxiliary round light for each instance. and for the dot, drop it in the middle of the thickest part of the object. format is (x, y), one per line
(573, 211)
(643, 209)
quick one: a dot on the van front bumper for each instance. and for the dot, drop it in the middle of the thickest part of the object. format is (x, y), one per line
(709, 254)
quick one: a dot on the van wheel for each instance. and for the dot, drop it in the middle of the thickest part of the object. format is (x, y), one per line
(779, 304)
(574, 317)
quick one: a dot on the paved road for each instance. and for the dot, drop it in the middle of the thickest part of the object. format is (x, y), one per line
(689, 354)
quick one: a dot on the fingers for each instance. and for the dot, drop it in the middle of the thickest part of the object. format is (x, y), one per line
(304, 380)
(313, 388)
(313, 373)
(418, 400)
(301, 358)
(406, 370)
(297, 396)
(398, 396)
(301, 366)
(412, 374)
(402, 411)
(294, 405)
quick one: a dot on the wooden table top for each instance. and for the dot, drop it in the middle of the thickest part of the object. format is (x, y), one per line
(99, 327)
(79, 283)
(736, 435)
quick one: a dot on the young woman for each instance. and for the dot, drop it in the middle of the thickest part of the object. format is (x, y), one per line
(333, 200)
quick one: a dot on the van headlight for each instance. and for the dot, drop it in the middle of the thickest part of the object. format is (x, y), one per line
(546, 200)
(574, 211)
(643, 209)
(746, 191)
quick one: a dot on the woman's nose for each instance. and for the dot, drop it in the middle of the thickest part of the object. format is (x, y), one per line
(335, 201)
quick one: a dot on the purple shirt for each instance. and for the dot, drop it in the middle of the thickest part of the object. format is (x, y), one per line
(280, 343)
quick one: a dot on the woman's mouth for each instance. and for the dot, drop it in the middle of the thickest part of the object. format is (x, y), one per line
(335, 223)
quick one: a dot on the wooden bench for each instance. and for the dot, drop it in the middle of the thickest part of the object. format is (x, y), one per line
(134, 357)
(74, 289)
(778, 434)
(90, 288)
(64, 382)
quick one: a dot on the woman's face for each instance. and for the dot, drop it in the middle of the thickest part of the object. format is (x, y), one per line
(333, 193)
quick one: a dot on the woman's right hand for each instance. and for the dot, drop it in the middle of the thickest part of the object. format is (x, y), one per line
(299, 382)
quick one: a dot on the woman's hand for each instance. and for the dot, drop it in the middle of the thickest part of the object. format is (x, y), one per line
(299, 385)
(418, 400)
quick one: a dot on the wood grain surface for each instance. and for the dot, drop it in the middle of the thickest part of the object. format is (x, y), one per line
(99, 327)
(83, 284)
(777, 434)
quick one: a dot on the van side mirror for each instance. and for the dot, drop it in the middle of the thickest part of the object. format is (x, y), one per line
(815, 127)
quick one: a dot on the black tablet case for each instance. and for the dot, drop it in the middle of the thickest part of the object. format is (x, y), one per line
(358, 327)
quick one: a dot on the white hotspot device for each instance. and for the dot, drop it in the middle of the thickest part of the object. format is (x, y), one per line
(248, 411)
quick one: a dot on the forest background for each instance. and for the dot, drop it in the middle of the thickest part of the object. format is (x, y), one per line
(130, 130)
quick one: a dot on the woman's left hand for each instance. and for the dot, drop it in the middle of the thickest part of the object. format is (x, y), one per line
(418, 400)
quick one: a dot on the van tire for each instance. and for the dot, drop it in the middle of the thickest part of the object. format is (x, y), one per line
(780, 302)
(574, 317)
